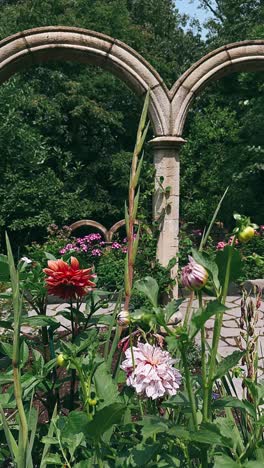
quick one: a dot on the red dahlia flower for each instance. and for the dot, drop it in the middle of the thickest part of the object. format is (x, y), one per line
(68, 281)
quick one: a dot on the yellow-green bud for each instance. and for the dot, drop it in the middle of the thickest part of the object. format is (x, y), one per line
(61, 361)
(92, 401)
(246, 234)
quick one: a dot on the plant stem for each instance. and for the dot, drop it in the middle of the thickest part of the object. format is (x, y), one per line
(73, 372)
(133, 203)
(85, 387)
(189, 389)
(189, 309)
(216, 336)
(204, 458)
(17, 305)
(98, 456)
(203, 352)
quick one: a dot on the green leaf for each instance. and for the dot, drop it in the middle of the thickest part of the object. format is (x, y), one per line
(253, 464)
(171, 308)
(106, 389)
(207, 233)
(223, 461)
(49, 440)
(49, 256)
(126, 218)
(208, 434)
(232, 402)
(142, 454)
(150, 288)
(9, 436)
(135, 207)
(83, 464)
(75, 423)
(136, 177)
(104, 419)
(202, 315)
(7, 349)
(32, 423)
(127, 284)
(7, 400)
(43, 463)
(226, 364)
(152, 425)
(24, 353)
(229, 433)
(52, 458)
(236, 264)
(210, 265)
(40, 321)
(135, 246)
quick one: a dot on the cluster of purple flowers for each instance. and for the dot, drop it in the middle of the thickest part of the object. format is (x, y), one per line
(85, 244)
(91, 244)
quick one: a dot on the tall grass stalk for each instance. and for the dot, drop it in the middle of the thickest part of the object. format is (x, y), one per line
(133, 199)
(17, 306)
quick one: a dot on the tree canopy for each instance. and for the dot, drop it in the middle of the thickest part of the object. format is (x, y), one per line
(67, 130)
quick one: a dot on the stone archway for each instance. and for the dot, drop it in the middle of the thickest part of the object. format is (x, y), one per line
(40, 45)
(168, 109)
(236, 57)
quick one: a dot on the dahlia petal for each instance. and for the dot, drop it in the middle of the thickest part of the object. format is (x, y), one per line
(153, 375)
(75, 263)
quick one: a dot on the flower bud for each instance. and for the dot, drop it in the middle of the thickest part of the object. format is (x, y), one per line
(92, 401)
(246, 234)
(61, 361)
(123, 318)
(193, 275)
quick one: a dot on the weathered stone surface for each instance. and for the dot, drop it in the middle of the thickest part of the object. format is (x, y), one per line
(247, 55)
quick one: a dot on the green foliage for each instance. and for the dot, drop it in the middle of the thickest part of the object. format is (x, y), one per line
(67, 130)
(253, 259)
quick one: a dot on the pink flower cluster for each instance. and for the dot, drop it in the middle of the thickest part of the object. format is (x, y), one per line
(154, 375)
(85, 244)
(221, 245)
(91, 244)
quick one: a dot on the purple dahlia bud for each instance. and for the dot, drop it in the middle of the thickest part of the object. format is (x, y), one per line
(123, 318)
(193, 275)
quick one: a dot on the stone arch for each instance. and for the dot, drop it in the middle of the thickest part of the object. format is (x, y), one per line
(90, 223)
(40, 45)
(239, 56)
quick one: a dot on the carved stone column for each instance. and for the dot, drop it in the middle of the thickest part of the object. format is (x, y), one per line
(166, 197)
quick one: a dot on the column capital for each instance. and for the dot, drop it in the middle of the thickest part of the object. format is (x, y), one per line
(167, 142)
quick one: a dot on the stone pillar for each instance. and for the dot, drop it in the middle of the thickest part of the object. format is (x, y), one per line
(166, 197)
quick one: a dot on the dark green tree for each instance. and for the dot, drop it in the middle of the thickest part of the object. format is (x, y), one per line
(67, 130)
(224, 128)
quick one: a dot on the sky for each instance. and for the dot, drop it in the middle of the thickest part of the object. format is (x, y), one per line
(190, 7)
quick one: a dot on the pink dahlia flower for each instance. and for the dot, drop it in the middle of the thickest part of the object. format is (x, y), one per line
(194, 276)
(154, 375)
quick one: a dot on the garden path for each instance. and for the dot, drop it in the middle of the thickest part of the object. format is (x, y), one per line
(230, 330)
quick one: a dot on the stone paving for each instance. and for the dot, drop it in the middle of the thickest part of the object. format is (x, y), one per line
(230, 329)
